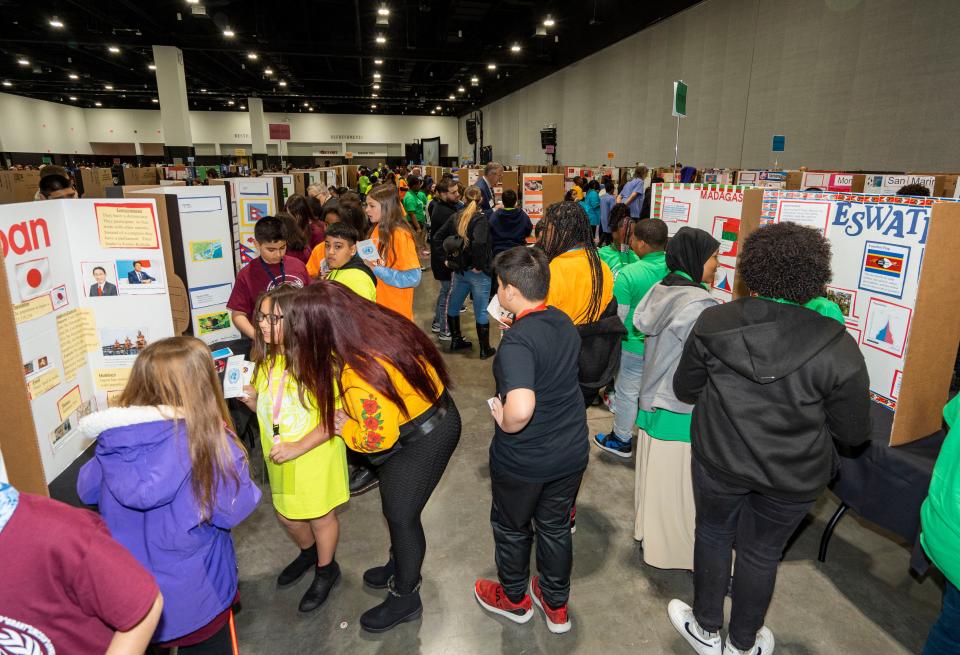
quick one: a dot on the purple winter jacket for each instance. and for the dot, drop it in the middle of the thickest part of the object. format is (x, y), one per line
(140, 478)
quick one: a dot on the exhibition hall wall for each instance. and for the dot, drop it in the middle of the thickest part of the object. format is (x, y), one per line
(853, 84)
(30, 125)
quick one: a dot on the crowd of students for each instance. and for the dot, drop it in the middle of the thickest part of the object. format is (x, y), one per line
(736, 409)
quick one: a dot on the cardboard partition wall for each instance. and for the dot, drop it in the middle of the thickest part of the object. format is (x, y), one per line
(146, 175)
(198, 241)
(540, 190)
(893, 263)
(76, 308)
(18, 186)
(95, 182)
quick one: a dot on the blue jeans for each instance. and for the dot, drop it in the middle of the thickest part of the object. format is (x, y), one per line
(626, 402)
(944, 637)
(463, 284)
(440, 316)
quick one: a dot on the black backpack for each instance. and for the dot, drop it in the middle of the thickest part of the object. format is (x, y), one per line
(455, 254)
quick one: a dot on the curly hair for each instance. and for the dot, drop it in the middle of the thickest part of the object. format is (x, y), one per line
(566, 227)
(786, 260)
(913, 190)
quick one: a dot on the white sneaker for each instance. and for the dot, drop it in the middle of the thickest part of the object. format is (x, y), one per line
(681, 616)
(762, 646)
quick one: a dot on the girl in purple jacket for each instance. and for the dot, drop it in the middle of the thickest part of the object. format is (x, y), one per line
(171, 479)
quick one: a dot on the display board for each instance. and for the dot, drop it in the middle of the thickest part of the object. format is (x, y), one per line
(18, 186)
(287, 187)
(200, 239)
(249, 200)
(714, 208)
(540, 190)
(827, 181)
(76, 308)
(888, 185)
(893, 275)
(763, 179)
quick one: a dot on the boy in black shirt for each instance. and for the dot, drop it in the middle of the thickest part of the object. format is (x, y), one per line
(539, 450)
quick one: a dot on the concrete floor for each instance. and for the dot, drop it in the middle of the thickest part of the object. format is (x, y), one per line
(862, 600)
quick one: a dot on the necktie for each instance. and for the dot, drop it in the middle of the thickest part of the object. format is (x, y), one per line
(99, 290)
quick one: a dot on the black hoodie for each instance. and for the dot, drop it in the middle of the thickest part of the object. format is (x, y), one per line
(773, 385)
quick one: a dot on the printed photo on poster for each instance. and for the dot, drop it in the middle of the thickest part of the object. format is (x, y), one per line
(122, 344)
(883, 268)
(727, 232)
(887, 326)
(723, 279)
(58, 297)
(214, 322)
(59, 432)
(845, 299)
(33, 278)
(253, 209)
(248, 247)
(141, 276)
(206, 251)
(99, 279)
(534, 185)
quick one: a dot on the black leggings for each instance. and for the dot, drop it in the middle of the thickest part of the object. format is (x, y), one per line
(406, 481)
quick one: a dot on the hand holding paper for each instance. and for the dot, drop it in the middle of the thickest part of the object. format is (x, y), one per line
(499, 314)
(368, 250)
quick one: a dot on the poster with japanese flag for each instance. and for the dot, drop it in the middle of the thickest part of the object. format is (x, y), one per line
(60, 258)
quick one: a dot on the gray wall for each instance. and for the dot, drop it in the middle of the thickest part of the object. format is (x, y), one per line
(853, 84)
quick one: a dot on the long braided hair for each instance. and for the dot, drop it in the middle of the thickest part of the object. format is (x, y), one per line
(566, 227)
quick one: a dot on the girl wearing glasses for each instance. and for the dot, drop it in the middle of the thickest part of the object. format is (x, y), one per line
(307, 468)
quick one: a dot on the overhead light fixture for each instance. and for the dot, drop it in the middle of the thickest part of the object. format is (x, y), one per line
(474, 80)
(439, 107)
(73, 76)
(376, 76)
(252, 56)
(23, 61)
(98, 104)
(460, 89)
(73, 98)
(374, 95)
(373, 106)
(309, 108)
(433, 111)
(383, 11)
(203, 90)
(113, 49)
(452, 97)
(515, 47)
(154, 101)
(243, 107)
(231, 102)
(193, 2)
(268, 71)
(491, 67)
(548, 21)
(306, 104)
(152, 67)
(7, 83)
(229, 33)
(381, 39)
(383, 16)
(376, 87)
(378, 61)
(541, 31)
(282, 83)
(56, 22)
(108, 87)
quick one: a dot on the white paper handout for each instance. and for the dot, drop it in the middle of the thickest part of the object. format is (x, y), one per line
(368, 250)
(498, 313)
(237, 374)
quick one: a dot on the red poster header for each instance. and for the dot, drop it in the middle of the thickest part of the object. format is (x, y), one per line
(279, 131)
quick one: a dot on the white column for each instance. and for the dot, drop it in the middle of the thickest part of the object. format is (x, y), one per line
(172, 91)
(257, 128)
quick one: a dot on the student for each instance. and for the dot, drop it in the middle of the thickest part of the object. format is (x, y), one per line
(270, 269)
(55, 184)
(379, 381)
(607, 200)
(68, 587)
(633, 283)
(664, 492)
(305, 463)
(576, 191)
(171, 480)
(345, 266)
(307, 221)
(647, 197)
(619, 254)
(538, 454)
(446, 204)
(466, 240)
(775, 384)
(591, 205)
(363, 182)
(348, 210)
(939, 518)
(415, 204)
(298, 245)
(398, 269)
(509, 226)
(633, 191)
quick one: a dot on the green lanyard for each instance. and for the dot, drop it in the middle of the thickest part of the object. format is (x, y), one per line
(820, 305)
(685, 276)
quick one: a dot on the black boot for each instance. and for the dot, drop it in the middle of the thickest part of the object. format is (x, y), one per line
(306, 560)
(396, 609)
(379, 576)
(323, 581)
(483, 336)
(457, 342)
(362, 479)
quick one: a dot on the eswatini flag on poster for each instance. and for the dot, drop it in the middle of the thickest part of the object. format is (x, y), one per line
(884, 262)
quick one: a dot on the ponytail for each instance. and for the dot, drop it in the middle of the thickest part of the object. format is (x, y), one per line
(467, 213)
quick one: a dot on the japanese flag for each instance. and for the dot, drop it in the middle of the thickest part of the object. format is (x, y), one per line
(33, 278)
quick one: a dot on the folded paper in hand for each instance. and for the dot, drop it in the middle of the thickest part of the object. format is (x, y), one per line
(236, 376)
(497, 312)
(368, 250)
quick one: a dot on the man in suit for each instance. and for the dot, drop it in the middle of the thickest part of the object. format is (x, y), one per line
(492, 174)
(102, 287)
(138, 276)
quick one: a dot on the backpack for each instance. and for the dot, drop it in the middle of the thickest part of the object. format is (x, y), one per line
(455, 254)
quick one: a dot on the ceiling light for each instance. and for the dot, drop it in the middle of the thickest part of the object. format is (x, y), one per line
(203, 90)
(113, 49)
(373, 106)
(229, 33)
(376, 87)
(7, 83)
(309, 108)
(491, 67)
(252, 56)
(376, 76)
(452, 97)
(23, 61)
(381, 39)
(152, 67)
(56, 22)
(374, 95)
(268, 71)
(73, 76)
(548, 21)
(230, 102)
(439, 107)
(474, 79)
(243, 107)
(433, 111)
(154, 100)
(460, 89)
(515, 47)
(306, 104)
(98, 104)
(193, 2)
(73, 97)
(378, 61)
(282, 83)
(383, 11)
(108, 87)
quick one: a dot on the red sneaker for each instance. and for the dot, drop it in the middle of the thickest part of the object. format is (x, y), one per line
(493, 598)
(557, 620)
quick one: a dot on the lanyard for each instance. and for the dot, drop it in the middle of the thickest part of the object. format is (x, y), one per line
(273, 280)
(277, 402)
(539, 308)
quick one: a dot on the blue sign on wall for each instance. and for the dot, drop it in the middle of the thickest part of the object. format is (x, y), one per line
(779, 143)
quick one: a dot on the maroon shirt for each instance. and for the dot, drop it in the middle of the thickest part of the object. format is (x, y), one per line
(65, 582)
(254, 279)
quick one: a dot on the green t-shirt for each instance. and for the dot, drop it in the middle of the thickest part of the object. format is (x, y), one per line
(665, 425)
(363, 184)
(632, 284)
(615, 259)
(415, 202)
(821, 305)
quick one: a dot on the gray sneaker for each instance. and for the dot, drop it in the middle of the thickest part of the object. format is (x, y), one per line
(444, 336)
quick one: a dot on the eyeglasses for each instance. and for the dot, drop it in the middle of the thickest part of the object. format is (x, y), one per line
(271, 319)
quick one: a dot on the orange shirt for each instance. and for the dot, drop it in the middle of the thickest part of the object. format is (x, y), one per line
(318, 255)
(571, 285)
(402, 257)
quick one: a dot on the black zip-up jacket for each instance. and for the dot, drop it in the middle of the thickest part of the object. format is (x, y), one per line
(773, 385)
(440, 213)
(479, 253)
